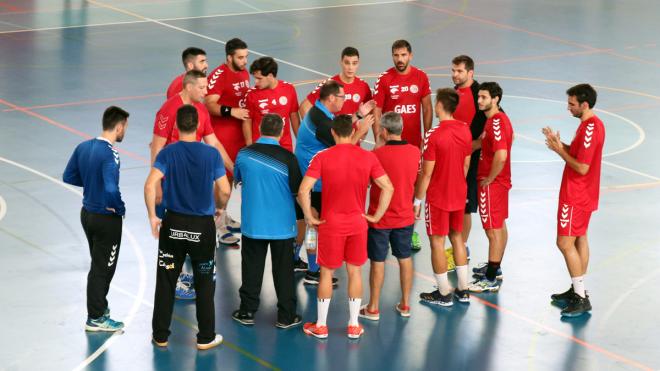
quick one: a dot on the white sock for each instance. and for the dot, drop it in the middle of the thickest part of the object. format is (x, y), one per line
(578, 285)
(353, 310)
(443, 283)
(462, 274)
(322, 306)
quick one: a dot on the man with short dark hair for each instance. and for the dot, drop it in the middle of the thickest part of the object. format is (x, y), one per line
(192, 59)
(270, 177)
(94, 166)
(347, 171)
(446, 158)
(193, 170)
(270, 95)
(494, 177)
(578, 195)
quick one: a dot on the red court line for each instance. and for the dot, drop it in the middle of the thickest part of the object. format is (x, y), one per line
(530, 321)
(67, 128)
(10, 7)
(91, 101)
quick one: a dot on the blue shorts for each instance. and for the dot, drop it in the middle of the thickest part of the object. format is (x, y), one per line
(379, 240)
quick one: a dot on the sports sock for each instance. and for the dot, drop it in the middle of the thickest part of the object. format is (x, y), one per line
(578, 285)
(313, 266)
(353, 310)
(322, 307)
(491, 270)
(462, 274)
(443, 283)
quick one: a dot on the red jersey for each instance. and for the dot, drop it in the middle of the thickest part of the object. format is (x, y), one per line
(577, 190)
(465, 110)
(346, 171)
(356, 92)
(281, 100)
(231, 87)
(165, 124)
(498, 135)
(403, 94)
(447, 144)
(175, 86)
(400, 161)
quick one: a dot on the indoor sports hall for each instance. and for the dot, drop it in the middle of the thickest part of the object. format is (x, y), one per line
(63, 62)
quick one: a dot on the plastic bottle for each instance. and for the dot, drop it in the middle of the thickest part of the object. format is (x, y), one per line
(311, 237)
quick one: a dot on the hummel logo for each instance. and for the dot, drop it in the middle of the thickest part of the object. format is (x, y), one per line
(484, 218)
(563, 223)
(113, 255)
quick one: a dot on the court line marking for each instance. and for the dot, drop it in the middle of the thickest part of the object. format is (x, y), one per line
(84, 102)
(136, 250)
(3, 208)
(205, 16)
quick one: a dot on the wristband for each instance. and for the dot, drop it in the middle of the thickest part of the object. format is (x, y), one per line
(225, 111)
(417, 202)
(357, 114)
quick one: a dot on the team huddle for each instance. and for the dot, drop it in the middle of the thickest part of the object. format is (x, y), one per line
(313, 193)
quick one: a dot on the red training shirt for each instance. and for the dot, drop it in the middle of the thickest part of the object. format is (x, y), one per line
(175, 86)
(356, 92)
(498, 135)
(465, 110)
(165, 124)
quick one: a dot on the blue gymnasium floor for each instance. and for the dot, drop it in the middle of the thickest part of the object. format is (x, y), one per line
(63, 62)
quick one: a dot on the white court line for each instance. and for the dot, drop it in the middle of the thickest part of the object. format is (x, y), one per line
(198, 35)
(203, 16)
(3, 208)
(136, 249)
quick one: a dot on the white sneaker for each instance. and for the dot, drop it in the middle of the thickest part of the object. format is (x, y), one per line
(231, 224)
(225, 237)
(214, 343)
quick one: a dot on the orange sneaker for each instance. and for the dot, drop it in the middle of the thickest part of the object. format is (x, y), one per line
(354, 332)
(320, 332)
(404, 311)
(366, 313)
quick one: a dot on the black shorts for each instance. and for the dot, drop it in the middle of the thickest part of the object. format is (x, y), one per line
(316, 203)
(471, 199)
(379, 241)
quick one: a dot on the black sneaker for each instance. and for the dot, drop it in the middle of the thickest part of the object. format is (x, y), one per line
(437, 298)
(243, 317)
(577, 306)
(300, 266)
(312, 278)
(297, 320)
(562, 300)
(463, 296)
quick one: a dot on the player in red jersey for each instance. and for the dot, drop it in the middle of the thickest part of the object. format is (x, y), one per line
(494, 177)
(343, 226)
(270, 95)
(446, 158)
(356, 90)
(193, 59)
(227, 85)
(404, 89)
(578, 195)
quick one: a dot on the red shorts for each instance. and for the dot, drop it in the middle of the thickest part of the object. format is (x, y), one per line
(334, 250)
(230, 134)
(493, 205)
(572, 221)
(439, 222)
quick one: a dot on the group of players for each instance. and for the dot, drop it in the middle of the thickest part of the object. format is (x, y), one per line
(460, 166)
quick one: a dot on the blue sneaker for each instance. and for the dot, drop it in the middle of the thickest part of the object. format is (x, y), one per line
(103, 323)
(480, 271)
(187, 278)
(184, 291)
(483, 285)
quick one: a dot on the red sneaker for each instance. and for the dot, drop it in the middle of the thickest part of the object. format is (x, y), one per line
(354, 332)
(366, 313)
(404, 311)
(320, 332)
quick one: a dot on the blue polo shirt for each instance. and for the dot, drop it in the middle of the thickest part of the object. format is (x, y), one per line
(270, 178)
(191, 169)
(308, 143)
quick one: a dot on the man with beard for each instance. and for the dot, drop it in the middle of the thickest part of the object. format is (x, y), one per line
(193, 59)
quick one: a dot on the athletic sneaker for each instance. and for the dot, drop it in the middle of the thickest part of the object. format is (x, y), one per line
(184, 291)
(243, 317)
(354, 331)
(480, 271)
(225, 237)
(416, 241)
(106, 312)
(283, 325)
(366, 313)
(186, 277)
(577, 306)
(437, 298)
(451, 264)
(403, 311)
(312, 278)
(562, 300)
(462, 296)
(214, 343)
(320, 332)
(104, 324)
(300, 266)
(483, 284)
(161, 344)
(231, 224)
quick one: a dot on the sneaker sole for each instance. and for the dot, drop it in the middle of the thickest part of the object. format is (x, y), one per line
(578, 314)
(370, 318)
(243, 322)
(353, 336)
(485, 290)
(214, 344)
(438, 303)
(316, 283)
(102, 329)
(300, 269)
(402, 313)
(462, 300)
(160, 345)
(499, 277)
(318, 336)
(284, 327)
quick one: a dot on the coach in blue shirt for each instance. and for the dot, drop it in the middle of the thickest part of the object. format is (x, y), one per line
(94, 166)
(193, 169)
(270, 178)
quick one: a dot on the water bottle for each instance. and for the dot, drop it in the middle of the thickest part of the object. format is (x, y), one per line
(311, 237)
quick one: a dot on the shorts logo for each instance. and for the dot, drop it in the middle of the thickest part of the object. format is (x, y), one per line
(496, 130)
(588, 135)
(414, 89)
(161, 261)
(185, 235)
(563, 221)
(113, 255)
(356, 98)
(283, 100)
(482, 206)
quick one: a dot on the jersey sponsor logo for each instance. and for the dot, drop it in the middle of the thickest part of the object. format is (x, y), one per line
(563, 220)
(394, 89)
(283, 101)
(405, 108)
(162, 121)
(176, 234)
(497, 132)
(588, 135)
(263, 103)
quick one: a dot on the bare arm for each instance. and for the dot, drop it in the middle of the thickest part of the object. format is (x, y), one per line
(386, 192)
(305, 106)
(213, 107)
(247, 131)
(213, 141)
(295, 122)
(157, 144)
(423, 181)
(466, 165)
(496, 167)
(378, 112)
(427, 113)
(554, 143)
(362, 128)
(150, 186)
(223, 190)
(305, 200)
